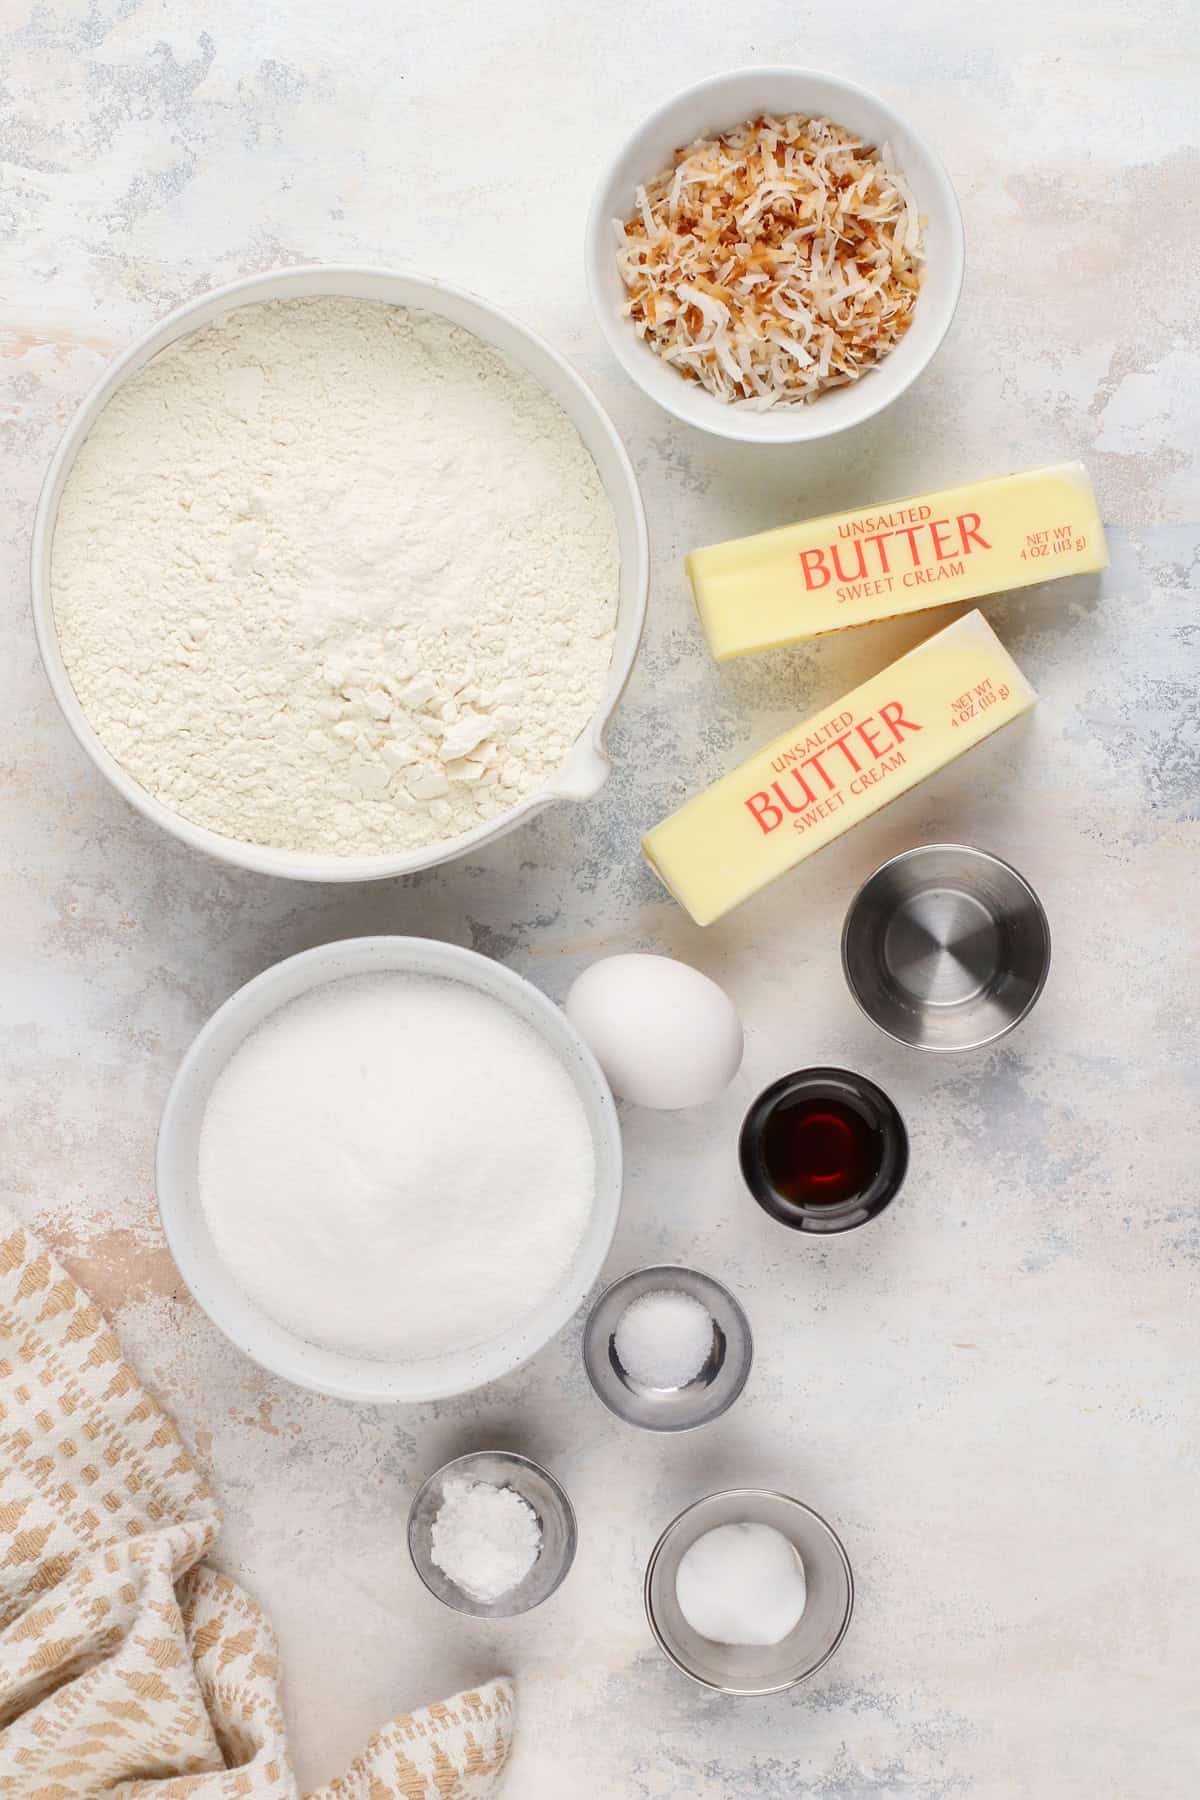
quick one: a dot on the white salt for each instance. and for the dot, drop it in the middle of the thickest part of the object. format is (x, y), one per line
(485, 1539)
(742, 1584)
(664, 1339)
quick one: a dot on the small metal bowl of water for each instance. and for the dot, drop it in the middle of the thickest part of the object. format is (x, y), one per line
(746, 1670)
(716, 1384)
(538, 1488)
(945, 947)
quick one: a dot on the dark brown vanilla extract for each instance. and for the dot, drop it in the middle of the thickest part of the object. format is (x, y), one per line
(817, 1151)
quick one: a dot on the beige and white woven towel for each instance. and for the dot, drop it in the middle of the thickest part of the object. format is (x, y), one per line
(128, 1669)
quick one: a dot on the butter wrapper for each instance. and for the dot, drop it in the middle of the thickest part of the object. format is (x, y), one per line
(852, 568)
(837, 768)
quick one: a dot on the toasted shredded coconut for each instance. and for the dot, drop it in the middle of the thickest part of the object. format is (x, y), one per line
(774, 261)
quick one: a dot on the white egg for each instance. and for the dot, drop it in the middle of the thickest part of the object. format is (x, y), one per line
(664, 1034)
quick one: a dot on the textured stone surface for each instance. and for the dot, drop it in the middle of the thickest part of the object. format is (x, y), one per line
(991, 1392)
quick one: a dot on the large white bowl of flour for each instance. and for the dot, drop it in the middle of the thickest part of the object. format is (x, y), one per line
(339, 573)
(400, 1211)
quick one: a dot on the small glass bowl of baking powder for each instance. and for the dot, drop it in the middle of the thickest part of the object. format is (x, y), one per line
(519, 1486)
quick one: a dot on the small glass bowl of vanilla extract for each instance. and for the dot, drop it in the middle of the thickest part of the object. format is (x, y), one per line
(823, 1150)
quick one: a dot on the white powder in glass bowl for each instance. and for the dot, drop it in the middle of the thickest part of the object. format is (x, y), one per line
(485, 1538)
(335, 576)
(396, 1166)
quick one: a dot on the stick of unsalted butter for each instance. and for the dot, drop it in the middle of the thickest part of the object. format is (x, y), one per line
(837, 768)
(853, 568)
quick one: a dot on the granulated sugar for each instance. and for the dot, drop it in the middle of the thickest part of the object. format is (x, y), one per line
(396, 1166)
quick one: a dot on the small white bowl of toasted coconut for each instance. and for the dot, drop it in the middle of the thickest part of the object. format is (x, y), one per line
(775, 255)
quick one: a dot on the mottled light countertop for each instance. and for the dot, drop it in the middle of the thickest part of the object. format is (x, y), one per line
(992, 1391)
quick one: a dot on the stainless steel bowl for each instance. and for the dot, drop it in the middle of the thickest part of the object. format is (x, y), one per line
(741, 1669)
(556, 1516)
(715, 1386)
(945, 947)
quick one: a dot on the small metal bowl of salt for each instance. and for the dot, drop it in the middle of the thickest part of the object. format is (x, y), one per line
(491, 1534)
(667, 1348)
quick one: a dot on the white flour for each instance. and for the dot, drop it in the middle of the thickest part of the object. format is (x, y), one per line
(333, 575)
(395, 1166)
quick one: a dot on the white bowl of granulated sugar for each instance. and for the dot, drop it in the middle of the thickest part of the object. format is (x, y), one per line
(339, 573)
(389, 1169)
